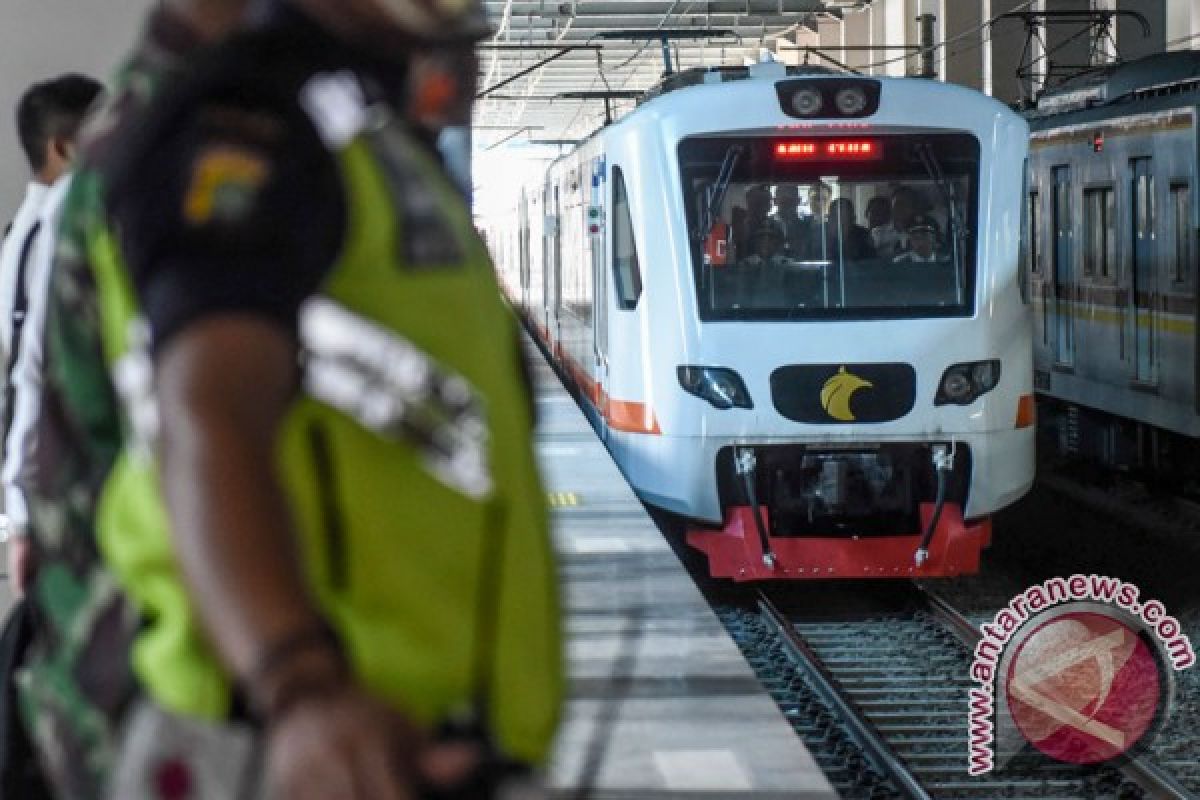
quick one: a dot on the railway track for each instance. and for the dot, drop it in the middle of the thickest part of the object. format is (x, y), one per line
(881, 701)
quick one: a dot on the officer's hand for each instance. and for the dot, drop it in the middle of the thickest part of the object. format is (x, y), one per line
(348, 746)
(339, 746)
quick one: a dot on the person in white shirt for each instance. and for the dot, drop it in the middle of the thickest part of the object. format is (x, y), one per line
(49, 117)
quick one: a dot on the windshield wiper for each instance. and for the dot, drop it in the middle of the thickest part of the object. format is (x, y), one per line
(718, 190)
(929, 160)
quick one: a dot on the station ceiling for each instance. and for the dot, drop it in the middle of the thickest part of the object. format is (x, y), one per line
(546, 53)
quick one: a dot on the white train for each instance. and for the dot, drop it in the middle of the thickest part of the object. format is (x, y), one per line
(789, 299)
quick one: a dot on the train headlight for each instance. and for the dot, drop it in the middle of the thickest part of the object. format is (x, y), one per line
(963, 384)
(722, 388)
(850, 101)
(985, 375)
(807, 102)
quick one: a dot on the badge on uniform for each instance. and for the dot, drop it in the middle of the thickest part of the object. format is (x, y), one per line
(224, 185)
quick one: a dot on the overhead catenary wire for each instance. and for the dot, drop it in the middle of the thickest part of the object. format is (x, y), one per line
(984, 30)
(945, 42)
(661, 23)
(501, 30)
(600, 63)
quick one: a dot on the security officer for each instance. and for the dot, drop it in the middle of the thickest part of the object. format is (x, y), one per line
(78, 681)
(324, 506)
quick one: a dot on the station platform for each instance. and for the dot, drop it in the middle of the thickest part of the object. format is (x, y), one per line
(662, 703)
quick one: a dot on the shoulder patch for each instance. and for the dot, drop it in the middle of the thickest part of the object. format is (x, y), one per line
(224, 184)
(335, 103)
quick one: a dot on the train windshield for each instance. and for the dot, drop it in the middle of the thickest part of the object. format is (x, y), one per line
(793, 227)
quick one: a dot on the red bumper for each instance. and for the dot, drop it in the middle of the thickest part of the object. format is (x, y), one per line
(736, 552)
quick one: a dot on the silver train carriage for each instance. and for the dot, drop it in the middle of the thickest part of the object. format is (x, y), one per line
(1110, 250)
(790, 302)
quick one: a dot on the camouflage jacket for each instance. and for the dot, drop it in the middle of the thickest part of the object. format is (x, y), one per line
(78, 680)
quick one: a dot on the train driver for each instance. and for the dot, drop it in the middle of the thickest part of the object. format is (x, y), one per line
(923, 239)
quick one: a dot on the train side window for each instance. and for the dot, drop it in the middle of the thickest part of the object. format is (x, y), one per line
(1182, 254)
(1099, 232)
(627, 272)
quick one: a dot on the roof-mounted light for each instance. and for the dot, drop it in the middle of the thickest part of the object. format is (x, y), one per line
(808, 102)
(830, 98)
(850, 101)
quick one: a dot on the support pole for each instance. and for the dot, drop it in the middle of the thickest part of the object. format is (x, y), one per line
(928, 24)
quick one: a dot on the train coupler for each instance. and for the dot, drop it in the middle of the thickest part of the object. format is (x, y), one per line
(736, 550)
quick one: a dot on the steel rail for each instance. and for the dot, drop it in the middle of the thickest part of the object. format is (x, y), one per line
(1158, 784)
(873, 745)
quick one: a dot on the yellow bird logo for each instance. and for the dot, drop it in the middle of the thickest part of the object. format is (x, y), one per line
(837, 392)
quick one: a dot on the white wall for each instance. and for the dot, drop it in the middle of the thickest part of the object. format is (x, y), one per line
(1183, 22)
(43, 38)
(857, 33)
(896, 32)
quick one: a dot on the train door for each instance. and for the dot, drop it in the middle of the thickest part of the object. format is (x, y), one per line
(1144, 279)
(596, 237)
(1062, 259)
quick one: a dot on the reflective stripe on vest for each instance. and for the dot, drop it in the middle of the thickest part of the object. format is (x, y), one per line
(389, 386)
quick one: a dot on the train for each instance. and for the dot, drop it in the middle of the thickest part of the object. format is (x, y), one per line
(790, 302)
(1109, 262)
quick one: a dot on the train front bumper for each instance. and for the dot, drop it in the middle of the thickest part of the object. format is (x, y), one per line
(682, 474)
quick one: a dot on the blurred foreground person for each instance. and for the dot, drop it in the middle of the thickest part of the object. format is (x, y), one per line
(348, 566)
(49, 116)
(78, 683)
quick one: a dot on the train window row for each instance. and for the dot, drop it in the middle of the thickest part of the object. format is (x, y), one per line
(1103, 227)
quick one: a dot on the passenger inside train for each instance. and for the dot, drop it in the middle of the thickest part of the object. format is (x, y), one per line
(845, 239)
(795, 226)
(832, 262)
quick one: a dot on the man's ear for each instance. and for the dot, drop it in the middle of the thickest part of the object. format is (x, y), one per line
(50, 153)
(62, 148)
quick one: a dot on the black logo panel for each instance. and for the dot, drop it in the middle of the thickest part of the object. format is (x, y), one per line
(840, 394)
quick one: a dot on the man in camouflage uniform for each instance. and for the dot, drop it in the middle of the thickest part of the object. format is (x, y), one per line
(337, 539)
(79, 682)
